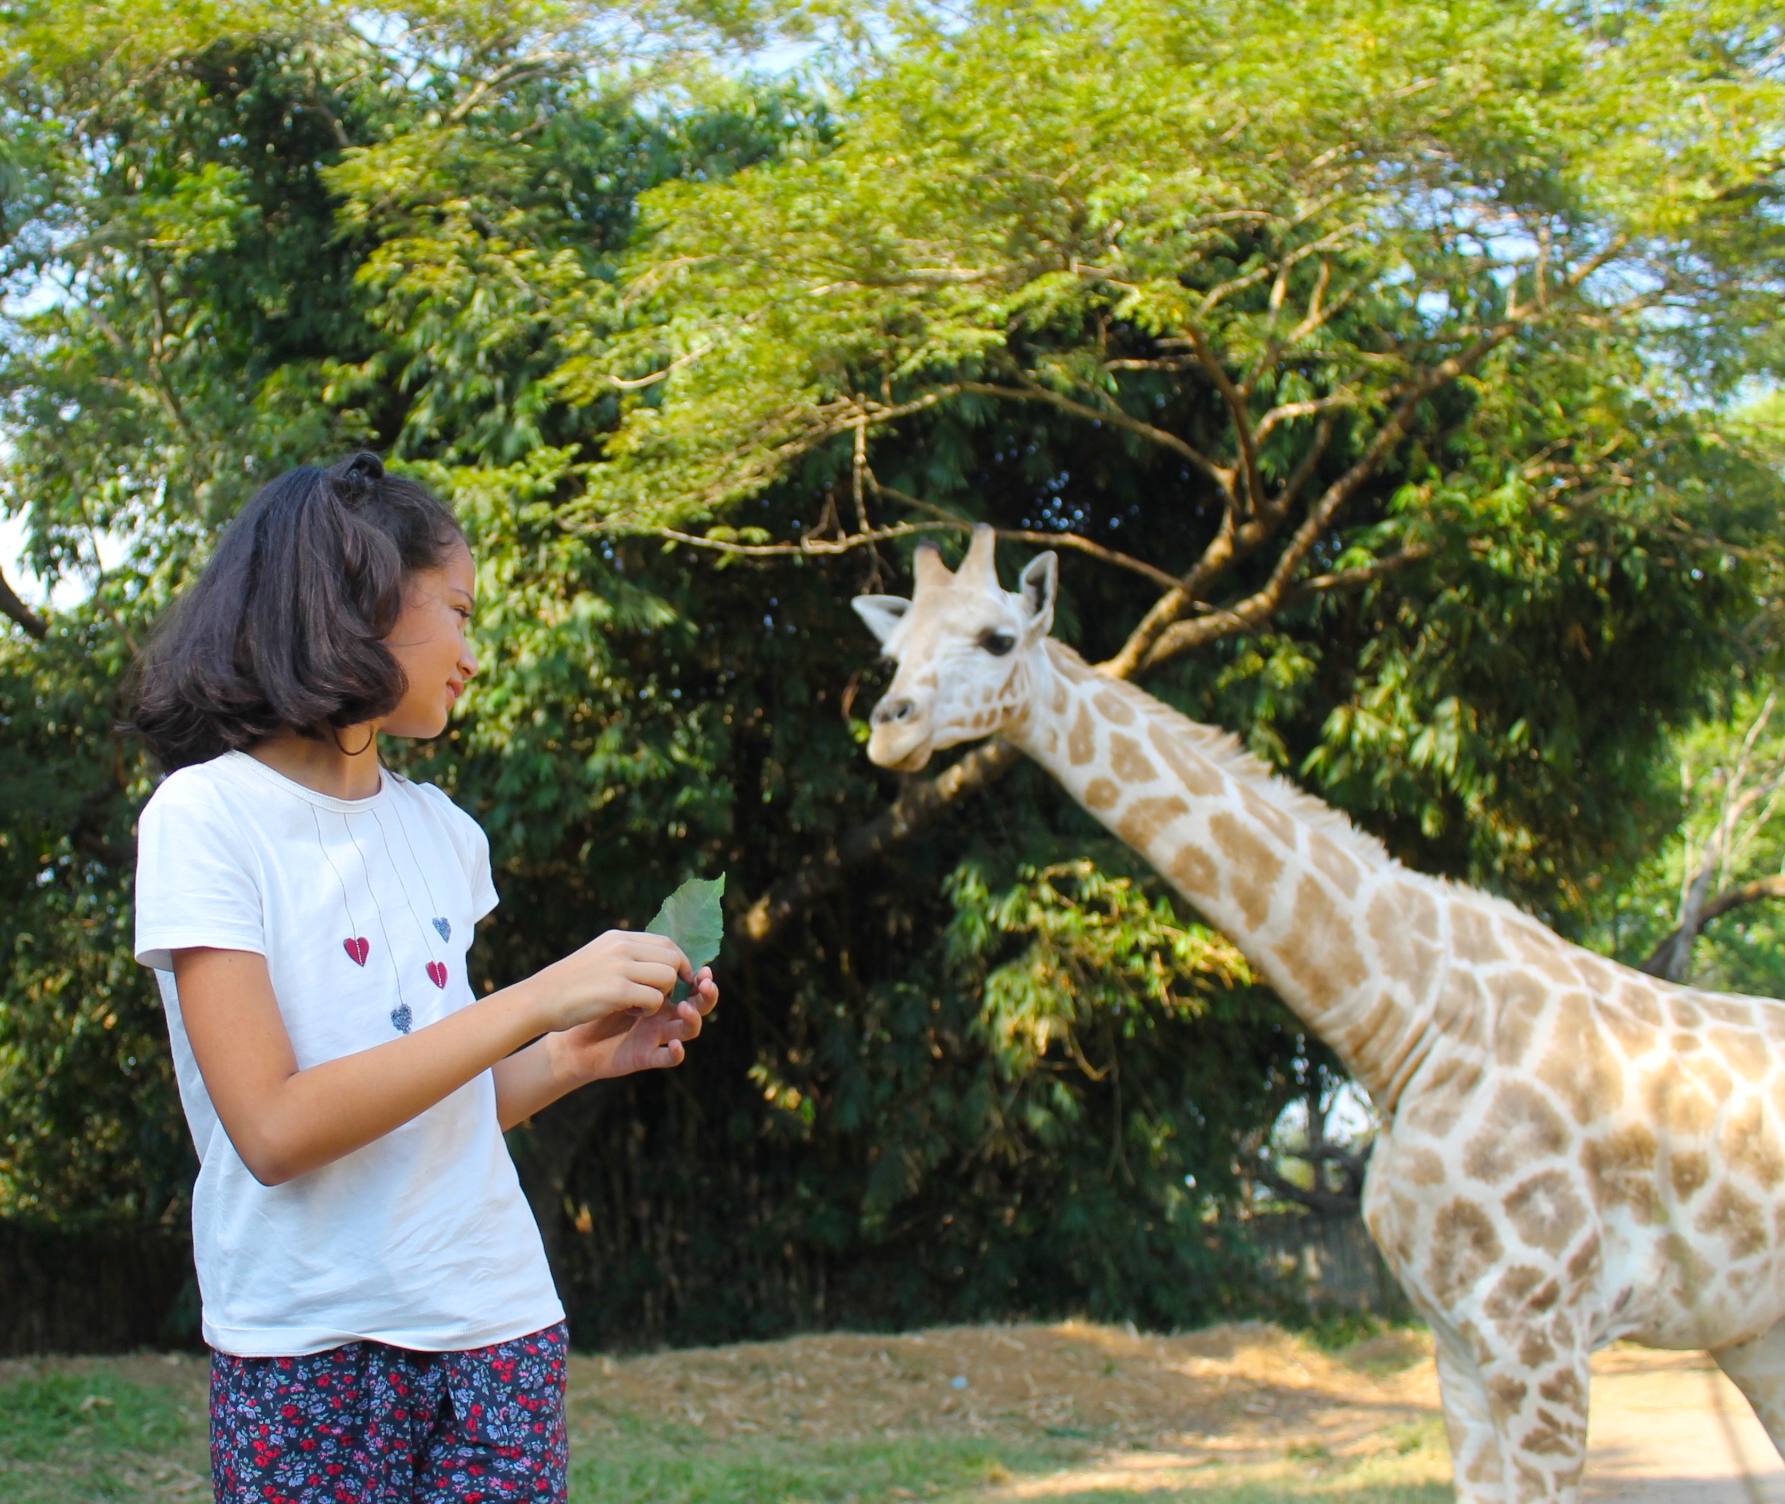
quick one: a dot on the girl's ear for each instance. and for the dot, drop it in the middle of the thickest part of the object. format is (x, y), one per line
(1040, 583)
(882, 613)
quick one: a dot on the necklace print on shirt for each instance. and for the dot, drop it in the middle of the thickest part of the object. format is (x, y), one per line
(441, 925)
(356, 945)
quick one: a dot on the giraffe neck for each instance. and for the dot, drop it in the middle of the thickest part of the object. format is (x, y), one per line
(1350, 939)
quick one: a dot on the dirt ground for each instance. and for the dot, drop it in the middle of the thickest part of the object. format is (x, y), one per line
(1164, 1413)
(1099, 1412)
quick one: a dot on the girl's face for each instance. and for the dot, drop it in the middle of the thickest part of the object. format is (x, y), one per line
(431, 643)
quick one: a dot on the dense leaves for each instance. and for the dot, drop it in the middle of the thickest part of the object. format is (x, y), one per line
(1428, 313)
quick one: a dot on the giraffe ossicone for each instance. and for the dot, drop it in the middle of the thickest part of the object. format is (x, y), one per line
(1571, 1152)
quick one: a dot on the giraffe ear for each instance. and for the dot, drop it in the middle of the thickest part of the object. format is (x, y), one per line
(882, 613)
(1039, 583)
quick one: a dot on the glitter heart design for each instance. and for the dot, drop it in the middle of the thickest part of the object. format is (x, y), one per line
(357, 949)
(444, 927)
(437, 973)
(401, 1018)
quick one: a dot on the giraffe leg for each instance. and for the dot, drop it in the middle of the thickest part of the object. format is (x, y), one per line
(1515, 1405)
(1757, 1368)
(1537, 1390)
(1469, 1422)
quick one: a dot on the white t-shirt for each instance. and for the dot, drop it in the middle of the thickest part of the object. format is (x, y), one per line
(364, 910)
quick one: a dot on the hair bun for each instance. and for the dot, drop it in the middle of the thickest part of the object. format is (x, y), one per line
(356, 478)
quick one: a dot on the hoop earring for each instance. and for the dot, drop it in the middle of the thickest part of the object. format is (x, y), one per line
(335, 737)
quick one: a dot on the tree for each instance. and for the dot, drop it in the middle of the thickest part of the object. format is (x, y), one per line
(1358, 286)
(967, 281)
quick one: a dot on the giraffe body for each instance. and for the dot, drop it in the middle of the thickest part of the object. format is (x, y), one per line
(1572, 1152)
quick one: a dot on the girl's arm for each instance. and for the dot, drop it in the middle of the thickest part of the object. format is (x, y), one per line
(618, 1045)
(284, 1121)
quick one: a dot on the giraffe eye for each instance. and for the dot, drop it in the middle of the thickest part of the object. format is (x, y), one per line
(997, 643)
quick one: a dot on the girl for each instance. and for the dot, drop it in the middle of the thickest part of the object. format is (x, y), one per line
(382, 1317)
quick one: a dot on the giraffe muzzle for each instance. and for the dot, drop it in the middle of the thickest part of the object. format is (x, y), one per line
(900, 736)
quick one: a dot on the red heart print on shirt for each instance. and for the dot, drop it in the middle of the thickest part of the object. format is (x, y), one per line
(357, 948)
(437, 973)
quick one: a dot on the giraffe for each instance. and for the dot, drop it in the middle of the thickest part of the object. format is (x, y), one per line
(1571, 1151)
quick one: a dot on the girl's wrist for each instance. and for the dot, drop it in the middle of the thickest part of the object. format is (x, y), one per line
(525, 1003)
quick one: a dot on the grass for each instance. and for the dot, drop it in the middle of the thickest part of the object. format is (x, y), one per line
(70, 1433)
(649, 1464)
(80, 1430)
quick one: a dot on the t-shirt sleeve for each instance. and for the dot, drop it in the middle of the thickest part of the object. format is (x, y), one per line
(473, 846)
(194, 881)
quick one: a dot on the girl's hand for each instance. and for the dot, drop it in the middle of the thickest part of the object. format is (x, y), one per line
(614, 975)
(656, 1041)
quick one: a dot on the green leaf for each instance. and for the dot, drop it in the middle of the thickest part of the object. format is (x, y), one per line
(691, 917)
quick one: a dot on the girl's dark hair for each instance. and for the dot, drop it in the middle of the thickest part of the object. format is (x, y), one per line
(285, 627)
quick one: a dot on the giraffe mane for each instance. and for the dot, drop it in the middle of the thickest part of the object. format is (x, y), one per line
(1226, 751)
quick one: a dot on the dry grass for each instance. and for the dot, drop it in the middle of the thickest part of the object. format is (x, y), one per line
(1071, 1411)
(1238, 1391)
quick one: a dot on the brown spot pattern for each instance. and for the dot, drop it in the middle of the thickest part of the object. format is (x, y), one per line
(1472, 937)
(1464, 1247)
(1688, 1169)
(1081, 743)
(1750, 1145)
(1546, 1211)
(1141, 823)
(1406, 955)
(1074, 668)
(1335, 864)
(1319, 951)
(1620, 1170)
(1743, 1050)
(1195, 873)
(1269, 816)
(1635, 1037)
(1736, 1218)
(1679, 1105)
(1585, 1259)
(1127, 761)
(1578, 1066)
(1256, 867)
(1101, 794)
(1522, 1291)
(1521, 1129)
(1199, 777)
(1726, 1010)
(1522, 1001)
(1113, 708)
(1639, 1001)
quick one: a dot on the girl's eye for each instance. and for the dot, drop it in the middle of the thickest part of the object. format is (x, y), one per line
(997, 643)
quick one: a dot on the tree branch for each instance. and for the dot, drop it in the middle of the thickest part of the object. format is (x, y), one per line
(920, 803)
(11, 605)
(1737, 897)
(1327, 1203)
(1034, 392)
(1260, 607)
(1146, 647)
(1047, 540)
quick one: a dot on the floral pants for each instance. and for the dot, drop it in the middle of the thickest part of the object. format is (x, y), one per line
(371, 1424)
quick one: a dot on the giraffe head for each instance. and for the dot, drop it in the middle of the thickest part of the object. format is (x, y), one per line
(964, 646)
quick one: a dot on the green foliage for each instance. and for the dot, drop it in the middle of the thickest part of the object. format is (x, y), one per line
(1000, 1071)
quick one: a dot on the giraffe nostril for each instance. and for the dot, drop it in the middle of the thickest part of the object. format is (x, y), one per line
(889, 711)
